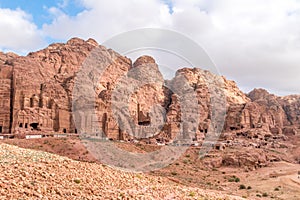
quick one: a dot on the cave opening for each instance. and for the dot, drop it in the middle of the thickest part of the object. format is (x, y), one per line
(0, 129)
(144, 123)
(34, 126)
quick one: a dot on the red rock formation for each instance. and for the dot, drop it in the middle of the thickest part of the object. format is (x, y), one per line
(36, 94)
(5, 90)
(38, 84)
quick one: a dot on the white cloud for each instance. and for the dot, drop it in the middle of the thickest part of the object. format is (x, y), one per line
(102, 19)
(18, 32)
(256, 43)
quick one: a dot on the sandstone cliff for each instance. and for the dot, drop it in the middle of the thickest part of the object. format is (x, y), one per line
(36, 95)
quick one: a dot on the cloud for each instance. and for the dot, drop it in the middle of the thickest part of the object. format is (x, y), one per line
(18, 32)
(102, 19)
(253, 42)
(256, 43)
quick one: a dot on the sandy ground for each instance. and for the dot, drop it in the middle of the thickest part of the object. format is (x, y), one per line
(279, 181)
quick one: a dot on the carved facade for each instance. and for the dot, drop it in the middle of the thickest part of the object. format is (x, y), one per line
(5, 101)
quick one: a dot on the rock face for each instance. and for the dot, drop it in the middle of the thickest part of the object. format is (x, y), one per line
(35, 90)
(266, 112)
(36, 94)
(291, 105)
(5, 90)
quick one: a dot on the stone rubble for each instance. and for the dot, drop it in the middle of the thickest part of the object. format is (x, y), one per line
(29, 174)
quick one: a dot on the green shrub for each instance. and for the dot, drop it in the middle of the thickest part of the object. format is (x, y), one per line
(186, 161)
(234, 179)
(265, 194)
(46, 142)
(139, 176)
(231, 180)
(242, 187)
(174, 173)
(192, 194)
(77, 181)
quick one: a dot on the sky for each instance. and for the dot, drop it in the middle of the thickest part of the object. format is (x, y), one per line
(256, 43)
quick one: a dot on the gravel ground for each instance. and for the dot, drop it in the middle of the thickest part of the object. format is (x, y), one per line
(29, 174)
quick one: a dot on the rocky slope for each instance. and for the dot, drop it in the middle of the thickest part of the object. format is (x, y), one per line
(28, 174)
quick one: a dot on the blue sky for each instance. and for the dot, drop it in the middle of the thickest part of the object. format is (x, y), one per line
(40, 13)
(256, 43)
(39, 8)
